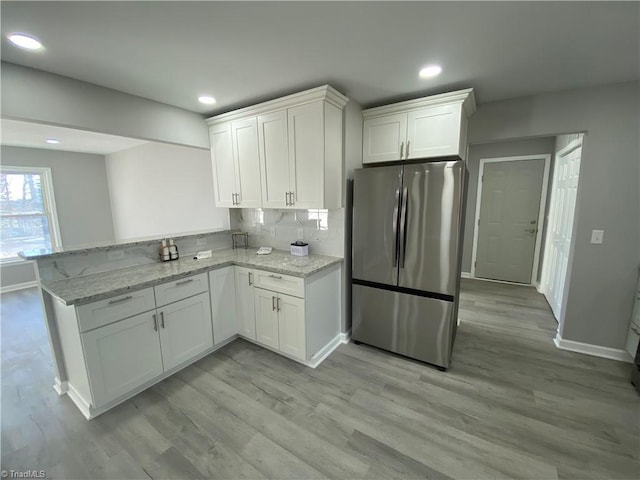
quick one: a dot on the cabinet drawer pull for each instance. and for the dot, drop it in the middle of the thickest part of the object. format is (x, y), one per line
(273, 303)
(276, 276)
(120, 300)
(155, 322)
(184, 282)
(162, 319)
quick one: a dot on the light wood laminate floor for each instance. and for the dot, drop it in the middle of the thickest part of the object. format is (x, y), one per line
(511, 406)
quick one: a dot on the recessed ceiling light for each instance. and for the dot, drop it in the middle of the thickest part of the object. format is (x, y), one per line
(206, 100)
(52, 141)
(25, 41)
(430, 71)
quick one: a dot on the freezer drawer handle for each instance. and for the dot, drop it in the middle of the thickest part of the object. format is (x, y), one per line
(120, 300)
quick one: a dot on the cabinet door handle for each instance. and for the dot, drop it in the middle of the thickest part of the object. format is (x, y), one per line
(273, 303)
(291, 199)
(233, 199)
(287, 199)
(162, 319)
(401, 150)
(275, 276)
(184, 282)
(120, 300)
(408, 145)
(155, 322)
(278, 303)
(250, 279)
(635, 330)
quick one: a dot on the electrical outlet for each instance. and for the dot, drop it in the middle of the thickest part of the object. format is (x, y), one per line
(272, 231)
(300, 233)
(597, 236)
(115, 255)
(201, 241)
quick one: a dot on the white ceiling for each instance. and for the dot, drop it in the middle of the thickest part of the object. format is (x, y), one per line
(33, 135)
(243, 52)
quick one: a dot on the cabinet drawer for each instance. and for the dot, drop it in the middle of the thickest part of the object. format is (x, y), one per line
(97, 314)
(178, 289)
(278, 282)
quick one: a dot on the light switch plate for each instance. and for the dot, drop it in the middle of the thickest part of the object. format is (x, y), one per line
(597, 236)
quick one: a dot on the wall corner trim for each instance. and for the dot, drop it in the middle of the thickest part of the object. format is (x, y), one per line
(590, 349)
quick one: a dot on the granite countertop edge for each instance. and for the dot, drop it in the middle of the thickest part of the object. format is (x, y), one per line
(56, 287)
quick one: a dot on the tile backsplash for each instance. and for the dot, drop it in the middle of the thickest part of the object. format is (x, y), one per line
(323, 230)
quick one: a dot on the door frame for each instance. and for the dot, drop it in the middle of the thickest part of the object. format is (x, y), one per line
(541, 212)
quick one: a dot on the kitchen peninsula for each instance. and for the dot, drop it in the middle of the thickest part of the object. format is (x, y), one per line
(119, 320)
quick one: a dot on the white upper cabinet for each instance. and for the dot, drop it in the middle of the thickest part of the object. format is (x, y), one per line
(224, 168)
(384, 138)
(427, 127)
(297, 160)
(244, 141)
(274, 159)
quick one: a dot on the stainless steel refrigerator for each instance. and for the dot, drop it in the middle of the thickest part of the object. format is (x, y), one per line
(407, 245)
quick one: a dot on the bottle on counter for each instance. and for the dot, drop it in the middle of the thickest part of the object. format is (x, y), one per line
(165, 254)
(173, 250)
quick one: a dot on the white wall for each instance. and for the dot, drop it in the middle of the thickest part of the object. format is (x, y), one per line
(81, 194)
(601, 278)
(41, 97)
(159, 189)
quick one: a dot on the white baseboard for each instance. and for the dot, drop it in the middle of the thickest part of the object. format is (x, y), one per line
(81, 403)
(465, 274)
(594, 350)
(328, 349)
(60, 387)
(18, 286)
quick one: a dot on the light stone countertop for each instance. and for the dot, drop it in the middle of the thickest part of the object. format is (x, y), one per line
(98, 286)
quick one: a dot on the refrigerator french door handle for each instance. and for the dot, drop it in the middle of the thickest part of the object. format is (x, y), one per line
(403, 225)
(394, 226)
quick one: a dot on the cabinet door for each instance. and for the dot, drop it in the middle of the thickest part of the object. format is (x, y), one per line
(384, 138)
(185, 329)
(274, 159)
(244, 134)
(306, 149)
(434, 132)
(291, 326)
(266, 318)
(122, 356)
(224, 176)
(245, 312)
(222, 288)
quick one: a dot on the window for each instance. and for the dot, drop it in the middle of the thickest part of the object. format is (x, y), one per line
(27, 211)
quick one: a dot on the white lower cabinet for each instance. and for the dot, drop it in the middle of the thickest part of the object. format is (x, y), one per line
(121, 356)
(291, 326)
(185, 329)
(245, 311)
(266, 318)
(222, 288)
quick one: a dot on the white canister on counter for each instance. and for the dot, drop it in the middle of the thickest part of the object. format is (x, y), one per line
(300, 249)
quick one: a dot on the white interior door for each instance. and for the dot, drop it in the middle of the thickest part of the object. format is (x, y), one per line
(508, 221)
(560, 227)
